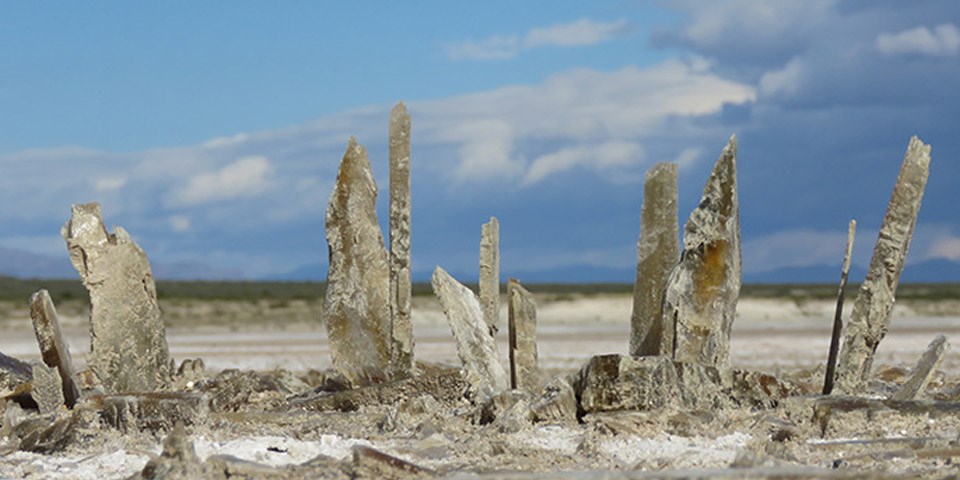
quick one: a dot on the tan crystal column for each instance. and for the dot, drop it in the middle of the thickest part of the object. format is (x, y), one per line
(658, 252)
(490, 274)
(400, 285)
(522, 324)
(871, 312)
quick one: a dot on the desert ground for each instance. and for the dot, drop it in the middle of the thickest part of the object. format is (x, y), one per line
(786, 337)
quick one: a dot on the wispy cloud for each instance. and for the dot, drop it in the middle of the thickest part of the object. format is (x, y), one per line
(601, 120)
(243, 194)
(605, 157)
(940, 41)
(497, 47)
(582, 32)
(946, 247)
(247, 177)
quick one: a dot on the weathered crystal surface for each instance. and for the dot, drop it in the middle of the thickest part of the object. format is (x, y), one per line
(46, 388)
(356, 309)
(53, 346)
(871, 311)
(658, 252)
(400, 285)
(921, 374)
(490, 274)
(13, 373)
(524, 369)
(128, 349)
(476, 348)
(703, 289)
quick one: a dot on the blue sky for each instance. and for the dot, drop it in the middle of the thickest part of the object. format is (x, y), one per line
(212, 132)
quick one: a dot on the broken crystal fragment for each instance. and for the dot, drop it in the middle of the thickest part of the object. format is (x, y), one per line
(53, 345)
(476, 348)
(128, 349)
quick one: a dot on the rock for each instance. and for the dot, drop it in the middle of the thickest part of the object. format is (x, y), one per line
(177, 461)
(496, 405)
(53, 346)
(490, 274)
(524, 369)
(658, 252)
(400, 283)
(701, 297)
(152, 411)
(46, 433)
(828, 409)
(13, 374)
(475, 346)
(443, 385)
(759, 390)
(413, 412)
(871, 311)
(921, 374)
(190, 372)
(46, 388)
(369, 462)
(616, 382)
(508, 411)
(128, 350)
(356, 309)
(557, 403)
(234, 390)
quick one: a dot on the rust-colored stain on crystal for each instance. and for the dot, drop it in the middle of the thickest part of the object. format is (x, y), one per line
(712, 275)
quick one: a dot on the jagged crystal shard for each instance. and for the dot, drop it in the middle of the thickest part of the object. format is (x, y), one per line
(702, 292)
(870, 318)
(128, 350)
(53, 346)
(475, 346)
(356, 308)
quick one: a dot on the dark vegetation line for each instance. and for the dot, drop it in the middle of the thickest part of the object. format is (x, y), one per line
(14, 289)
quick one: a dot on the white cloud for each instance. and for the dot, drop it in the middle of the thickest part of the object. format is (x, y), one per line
(782, 81)
(586, 109)
(497, 47)
(948, 248)
(611, 121)
(247, 177)
(602, 157)
(688, 157)
(578, 33)
(582, 32)
(218, 142)
(941, 41)
(109, 183)
(180, 223)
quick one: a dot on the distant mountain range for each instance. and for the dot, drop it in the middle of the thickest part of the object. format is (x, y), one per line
(22, 264)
